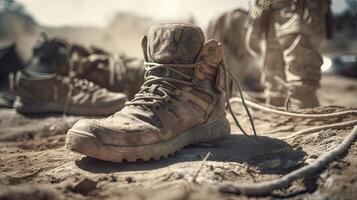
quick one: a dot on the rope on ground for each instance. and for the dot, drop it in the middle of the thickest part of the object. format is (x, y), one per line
(292, 114)
(265, 188)
(315, 129)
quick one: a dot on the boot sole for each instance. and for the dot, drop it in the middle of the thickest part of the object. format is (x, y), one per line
(35, 108)
(86, 143)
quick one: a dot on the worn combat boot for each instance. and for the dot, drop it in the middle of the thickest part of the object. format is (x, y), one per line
(45, 87)
(113, 71)
(53, 93)
(181, 102)
(302, 97)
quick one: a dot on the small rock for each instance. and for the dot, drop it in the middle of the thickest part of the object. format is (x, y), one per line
(113, 178)
(129, 179)
(84, 186)
(104, 178)
(313, 156)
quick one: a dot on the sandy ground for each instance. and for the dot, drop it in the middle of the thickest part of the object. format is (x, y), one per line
(35, 165)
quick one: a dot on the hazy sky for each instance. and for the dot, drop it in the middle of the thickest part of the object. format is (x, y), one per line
(99, 13)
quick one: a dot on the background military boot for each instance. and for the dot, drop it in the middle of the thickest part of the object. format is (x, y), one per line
(44, 86)
(181, 102)
(302, 96)
(115, 72)
(52, 93)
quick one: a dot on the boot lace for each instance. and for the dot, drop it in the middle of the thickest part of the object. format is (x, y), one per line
(228, 74)
(159, 88)
(150, 93)
(82, 84)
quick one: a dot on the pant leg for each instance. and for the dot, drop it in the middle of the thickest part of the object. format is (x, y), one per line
(300, 39)
(274, 64)
(273, 68)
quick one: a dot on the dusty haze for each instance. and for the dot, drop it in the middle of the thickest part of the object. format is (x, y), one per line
(99, 13)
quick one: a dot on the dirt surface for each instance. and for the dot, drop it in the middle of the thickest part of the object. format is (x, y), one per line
(35, 165)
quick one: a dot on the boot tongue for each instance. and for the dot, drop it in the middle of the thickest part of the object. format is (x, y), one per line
(174, 43)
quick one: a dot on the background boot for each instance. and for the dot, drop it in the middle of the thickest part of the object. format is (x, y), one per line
(115, 72)
(302, 97)
(52, 93)
(45, 87)
(181, 102)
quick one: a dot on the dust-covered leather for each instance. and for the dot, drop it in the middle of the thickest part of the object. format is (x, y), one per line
(164, 108)
(174, 43)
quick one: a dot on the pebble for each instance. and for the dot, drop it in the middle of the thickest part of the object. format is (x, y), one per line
(84, 186)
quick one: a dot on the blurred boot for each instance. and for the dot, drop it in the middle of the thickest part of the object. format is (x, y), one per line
(181, 102)
(53, 93)
(44, 87)
(302, 97)
(115, 72)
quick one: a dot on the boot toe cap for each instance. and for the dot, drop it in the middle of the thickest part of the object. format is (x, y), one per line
(117, 134)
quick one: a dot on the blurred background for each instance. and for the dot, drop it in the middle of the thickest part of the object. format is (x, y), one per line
(118, 25)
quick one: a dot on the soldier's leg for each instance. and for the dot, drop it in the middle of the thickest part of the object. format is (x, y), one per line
(298, 39)
(273, 69)
(303, 72)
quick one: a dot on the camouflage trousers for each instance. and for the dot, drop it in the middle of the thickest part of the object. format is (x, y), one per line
(292, 61)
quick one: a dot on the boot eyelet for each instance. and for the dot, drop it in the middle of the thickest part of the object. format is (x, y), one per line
(178, 93)
(212, 51)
